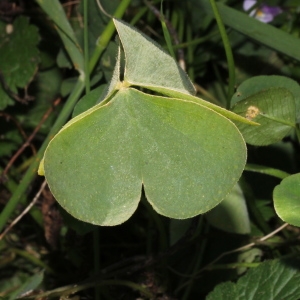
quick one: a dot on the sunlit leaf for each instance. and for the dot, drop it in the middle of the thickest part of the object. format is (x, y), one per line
(159, 71)
(171, 147)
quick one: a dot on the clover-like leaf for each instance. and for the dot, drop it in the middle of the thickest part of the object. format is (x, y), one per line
(273, 108)
(186, 156)
(150, 72)
(17, 64)
(287, 199)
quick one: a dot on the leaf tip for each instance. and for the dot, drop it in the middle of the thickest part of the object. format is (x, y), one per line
(41, 170)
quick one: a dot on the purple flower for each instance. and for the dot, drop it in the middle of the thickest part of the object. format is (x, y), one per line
(263, 13)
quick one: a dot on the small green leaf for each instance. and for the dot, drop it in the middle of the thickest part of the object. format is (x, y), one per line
(17, 64)
(259, 83)
(286, 197)
(148, 65)
(173, 148)
(276, 280)
(273, 108)
(231, 214)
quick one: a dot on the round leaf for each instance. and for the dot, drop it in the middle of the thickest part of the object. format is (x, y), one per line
(186, 156)
(287, 199)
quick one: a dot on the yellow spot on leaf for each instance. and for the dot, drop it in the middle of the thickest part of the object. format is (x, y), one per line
(252, 112)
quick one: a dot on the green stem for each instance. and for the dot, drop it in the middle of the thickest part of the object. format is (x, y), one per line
(257, 217)
(32, 171)
(199, 259)
(197, 41)
(61, 120)
(190, 53)
(233, 266)
(107, 34)
(96, 243)
(297, 132)
(228, 51)
(72, 289)
(86, 46)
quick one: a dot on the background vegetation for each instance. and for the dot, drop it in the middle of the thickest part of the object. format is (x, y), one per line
(241, 250)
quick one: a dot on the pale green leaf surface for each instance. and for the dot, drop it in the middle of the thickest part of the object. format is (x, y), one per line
(273, 108)
(231, 214)
(148, 65)
(276, 280)
(18, 65)
(286, 197)
(187, 157)
(115, 80)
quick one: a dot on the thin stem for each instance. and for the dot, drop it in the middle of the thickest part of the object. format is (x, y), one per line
(33, 259)
(72, 289)
(30, 138)
(107, 34)
(86, 46)
(212, 265)
(228, 51)
(26, 210)
(97, 265)
(32, 171)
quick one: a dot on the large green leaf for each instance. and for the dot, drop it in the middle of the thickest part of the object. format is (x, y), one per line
(273, 108)
(287, 199)
(276, 280)
(17, 64)
(186, 156)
